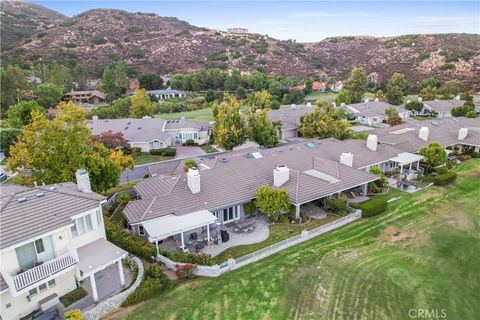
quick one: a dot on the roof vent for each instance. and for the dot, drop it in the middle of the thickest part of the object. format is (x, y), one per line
(40, 194)
(248, 155)
(257, 155)
(139, 128)
(223, 160)
(126, 128)
(22, 199)
(129, 122)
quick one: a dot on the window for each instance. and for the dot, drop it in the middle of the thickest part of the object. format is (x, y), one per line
(33, 292)
(82, 225)
(39, 246)
(42, 287)
(141, 230)
(8, 305)
(51, 283)
(99, 217)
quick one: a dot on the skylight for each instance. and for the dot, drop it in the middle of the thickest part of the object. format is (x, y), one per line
(257, 155)
(321, 175)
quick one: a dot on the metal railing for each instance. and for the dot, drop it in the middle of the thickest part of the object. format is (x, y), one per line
(43, 271)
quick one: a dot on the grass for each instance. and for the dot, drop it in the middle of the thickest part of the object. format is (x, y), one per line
(422, 253)
(148, 158)
(420, 118)
(122, 187)
(73, 296)
(198, 115)
(208, 148)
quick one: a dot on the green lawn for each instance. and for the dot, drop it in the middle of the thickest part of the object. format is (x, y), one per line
(198, 115)
(148, 158)
(421, 253)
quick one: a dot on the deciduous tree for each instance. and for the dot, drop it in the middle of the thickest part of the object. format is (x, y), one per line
(343, 96)
(262, 130)
(435, 154)
(48, 94)
(357, 84)
(451, 87)
(272, 201)
(397, 88)
(20, 114)
(141, 104)
(150, 81)
(229, 127)
(112, 140)
(260, 100)
(13, 85)
(324, 122)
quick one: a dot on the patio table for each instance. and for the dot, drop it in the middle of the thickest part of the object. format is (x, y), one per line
(244, 224)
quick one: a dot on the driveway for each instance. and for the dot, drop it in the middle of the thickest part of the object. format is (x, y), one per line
(187, 152)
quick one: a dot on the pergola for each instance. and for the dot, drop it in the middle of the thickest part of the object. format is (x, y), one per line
(407, 158)
(164, 227)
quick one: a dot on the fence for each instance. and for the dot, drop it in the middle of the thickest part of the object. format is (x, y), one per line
(111, 201)
(232, 264)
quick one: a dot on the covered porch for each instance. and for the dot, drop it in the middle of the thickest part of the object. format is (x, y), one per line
(184, 225)
(97, 256)
(408, 163)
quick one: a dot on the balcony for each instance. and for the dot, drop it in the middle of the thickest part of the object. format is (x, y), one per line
(46, 270)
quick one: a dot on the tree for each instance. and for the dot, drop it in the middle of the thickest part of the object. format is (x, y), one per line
(234, 81)
(391, 111)
(453, 87)
(229, 127)
(111, 140)
(8, 137)
(379, 185)
(435, 154)
(13, 84)
(262, 130)
(293, 96)
(48, 94)
(324, 122)
(357, 84)
(121, 78)
(431, 82)
(466, 110)
(416, 106)
(108, 85)
(272, 201)
(379, 95)
(308, 86)
(20, 114)
(428, 93)
(466, 96)
(141, 104)
(121, 160)
(394, 120)
(52, 151)
(343, 96)
(60, 75)
(397, 88)
(260, 100)
(80, 77)
(150, 81)
(190, 163)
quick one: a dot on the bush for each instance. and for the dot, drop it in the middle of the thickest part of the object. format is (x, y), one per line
(170, 152)
(187, 257)
(74, 314)
(129, 242)
(444, 179)
(475, 155)
(148, 288)
(73, 296)
(464, 157)
(99, 40)
(373, 207)
(185, 271)
(447, 66)
(441, 170)
(190, 142)
(155, 271)
(337, 204)
(189, 164)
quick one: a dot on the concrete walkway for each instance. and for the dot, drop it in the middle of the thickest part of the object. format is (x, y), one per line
(185, 152)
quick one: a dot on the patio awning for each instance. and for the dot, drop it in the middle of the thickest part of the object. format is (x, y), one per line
(406, 158)
(98, 255)
(164, 227)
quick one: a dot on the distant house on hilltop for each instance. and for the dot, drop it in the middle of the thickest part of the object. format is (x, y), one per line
(290, 120)
(443, 108)
(133, 85)
(167, 94)
(373, 112)
(336, 86)
(318, 86)
(92, 97)
(237, 30)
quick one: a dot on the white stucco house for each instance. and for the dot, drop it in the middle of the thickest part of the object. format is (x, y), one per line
(372, 113)
(51, 237)
(443, 108)
(153, 133)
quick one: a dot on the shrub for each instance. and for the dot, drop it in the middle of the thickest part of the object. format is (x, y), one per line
(135, 29)
(464, 157)
(184, 271)
(187, 257)
(337, 204)
(190, 142)
(73, 296)
(373, 207)
(148, 288)
(249, 208)
(441, 170)
(74, 314)
(190, 163)
(475, 154)
(170, 152)
(155, 271)
(129, 242)
(99, 40)
(444, 179)
(138, 53)
(447, 66)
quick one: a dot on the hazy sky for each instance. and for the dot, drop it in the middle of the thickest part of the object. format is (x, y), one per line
(305, 20)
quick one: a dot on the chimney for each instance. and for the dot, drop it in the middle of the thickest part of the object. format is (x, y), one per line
(83, 181)
(423, 133)
(94, 118)
(193, 180)
(376, 100)
(281, 174)
(346, 158)
(420, 99)
(309, 105)
(372, 142)
(343, 104)
(462, 133)
(366, 100)
(35, 184)
(293, 106)
(457, 97)
(182, 118)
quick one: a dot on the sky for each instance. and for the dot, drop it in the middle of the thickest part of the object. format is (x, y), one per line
(305, 21)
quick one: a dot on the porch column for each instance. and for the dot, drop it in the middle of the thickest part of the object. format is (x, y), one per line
(156, 245)
(120, 272)
(208, 234)
(410, 167)
(94, 287)
(183, 241)
(297, 211)
(401, 168)
(365, 189)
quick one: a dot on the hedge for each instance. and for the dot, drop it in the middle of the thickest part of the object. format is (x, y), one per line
(475, 154)
(373, 207)
(129, 242)
(444, 179)
(164, 152)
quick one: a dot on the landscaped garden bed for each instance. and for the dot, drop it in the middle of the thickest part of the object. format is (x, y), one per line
(73, 296)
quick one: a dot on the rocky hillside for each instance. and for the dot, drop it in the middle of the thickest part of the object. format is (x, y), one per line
(159, 44)
(21, 20)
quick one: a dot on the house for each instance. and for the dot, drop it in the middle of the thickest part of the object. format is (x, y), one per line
(218, 188)
(167, 94)
(336, 86)
(133, 86)
(153, 133)
(52, 237)
(318, 86)
(443, 108)
(290, 119)
(237, 30)
(92, 97)
(373, 112)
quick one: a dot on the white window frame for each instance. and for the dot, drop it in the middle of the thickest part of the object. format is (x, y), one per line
(52, 283)
(141, 230)
(40, 287)
(34, 294)
(99, 217)
(82, 221)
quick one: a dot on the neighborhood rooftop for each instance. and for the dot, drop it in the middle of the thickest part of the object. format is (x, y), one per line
(372, 108)
(443, 105)
(290, 117)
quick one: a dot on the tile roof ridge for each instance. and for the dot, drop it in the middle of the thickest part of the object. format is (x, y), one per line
(298, 186)
(176, 182)
(148, 208)
(338, 170)
(45, 188)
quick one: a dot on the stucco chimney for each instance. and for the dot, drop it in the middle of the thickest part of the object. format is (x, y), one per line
(281, 174)
(309, 105)
(193, 180)
(366, 100)
(462, 133)
(346, 158)
(372, 142)
(94, 118)
(376, 100)
(83, 181)
(343, 104)
(423, 133)
(457, 97)
(293, 106)
(420, 99)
